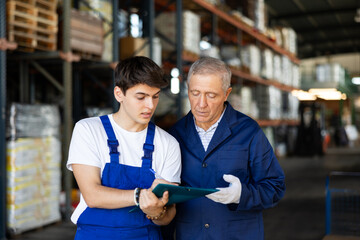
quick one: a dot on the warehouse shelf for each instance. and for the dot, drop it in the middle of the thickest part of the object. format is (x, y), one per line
(262, 81)
(277, 122)
(247, 29)
(67, 61)
(246, 76)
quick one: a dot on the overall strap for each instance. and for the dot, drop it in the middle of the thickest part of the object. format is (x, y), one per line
(112, 141)
(148, 146)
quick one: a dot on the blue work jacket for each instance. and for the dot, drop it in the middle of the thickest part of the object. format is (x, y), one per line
(238, 147)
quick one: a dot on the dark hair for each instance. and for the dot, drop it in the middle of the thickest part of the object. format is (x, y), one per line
(139, 70)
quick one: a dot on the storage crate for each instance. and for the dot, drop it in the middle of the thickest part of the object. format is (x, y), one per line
(343, 204)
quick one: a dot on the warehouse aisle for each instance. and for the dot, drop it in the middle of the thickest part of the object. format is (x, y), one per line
(299, 216)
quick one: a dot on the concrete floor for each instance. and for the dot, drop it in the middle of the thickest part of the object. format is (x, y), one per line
(300, 215)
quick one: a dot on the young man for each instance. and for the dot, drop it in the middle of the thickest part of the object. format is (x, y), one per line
(114, 157)
(225, 149)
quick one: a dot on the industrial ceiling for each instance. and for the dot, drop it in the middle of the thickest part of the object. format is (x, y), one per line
(323, 27)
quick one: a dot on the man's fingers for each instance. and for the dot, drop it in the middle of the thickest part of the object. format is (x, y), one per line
(165, 197)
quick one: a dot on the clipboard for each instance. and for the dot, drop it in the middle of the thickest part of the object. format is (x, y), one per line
(179, 194)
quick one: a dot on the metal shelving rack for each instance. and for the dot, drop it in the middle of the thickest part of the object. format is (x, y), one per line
(240, 27)
(65, 62)
(67, 68)
(2, 123)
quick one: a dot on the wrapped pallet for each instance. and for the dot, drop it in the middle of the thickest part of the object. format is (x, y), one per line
(256, 11)
(330, 72)
(277, 73)
(269, 102)
(267, 67)
(33, 167)
(165, 23)
(289, 40)
(286, 69)
(296, 76)
(251, 58)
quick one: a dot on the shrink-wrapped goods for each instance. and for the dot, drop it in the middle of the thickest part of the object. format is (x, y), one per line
(250, 58)
(165, 24)
(267, 67)
(269, 102)
(26, 120)
(33, 163)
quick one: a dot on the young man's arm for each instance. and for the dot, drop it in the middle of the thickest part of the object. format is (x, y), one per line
(99, 196)
(96, 195)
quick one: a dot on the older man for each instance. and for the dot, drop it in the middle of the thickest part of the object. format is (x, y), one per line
(225, 149)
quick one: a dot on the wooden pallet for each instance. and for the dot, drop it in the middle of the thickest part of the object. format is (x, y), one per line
(21, 13)
(31, 27)
(29, 40)
(87, 55)
(49, 5)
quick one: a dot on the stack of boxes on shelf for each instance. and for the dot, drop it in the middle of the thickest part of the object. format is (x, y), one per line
(330, 73)
(268, 101)
(130, 46)
(165, 23)
(99, 9)
(32, 24)
(33, 167)
(86, 34)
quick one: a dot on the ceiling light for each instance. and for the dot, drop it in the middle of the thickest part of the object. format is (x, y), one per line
(323, 93)
(303, 95)
(328, 93)
(321, 90)
(356, 80)
(175, 85)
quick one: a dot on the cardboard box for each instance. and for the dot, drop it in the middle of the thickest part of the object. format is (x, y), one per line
(129, 47)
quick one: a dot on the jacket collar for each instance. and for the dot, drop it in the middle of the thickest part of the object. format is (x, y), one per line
(222, 132)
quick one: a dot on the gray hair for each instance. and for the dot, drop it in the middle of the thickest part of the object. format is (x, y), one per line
(209, 65)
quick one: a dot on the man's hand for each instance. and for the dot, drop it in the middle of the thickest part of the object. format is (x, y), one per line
(150, 204)
(230, 194)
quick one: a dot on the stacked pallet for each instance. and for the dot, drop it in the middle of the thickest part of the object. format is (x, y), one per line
(33, 165)
(32, 24)
(86, 34)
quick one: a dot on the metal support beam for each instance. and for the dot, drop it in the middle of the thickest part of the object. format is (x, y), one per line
(3, 179)
(32, 94)
(214, 28)
(48, 76)
(151, 17)
(179, 52)
(24, 82)
(78, 103)
(115, 10)
(68, 120)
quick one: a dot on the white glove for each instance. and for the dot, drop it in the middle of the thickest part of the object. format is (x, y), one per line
(230, 194)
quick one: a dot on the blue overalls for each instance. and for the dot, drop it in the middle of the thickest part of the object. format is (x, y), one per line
(111, 224)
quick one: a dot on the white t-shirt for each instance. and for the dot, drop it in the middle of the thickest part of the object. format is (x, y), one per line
(89, 146)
